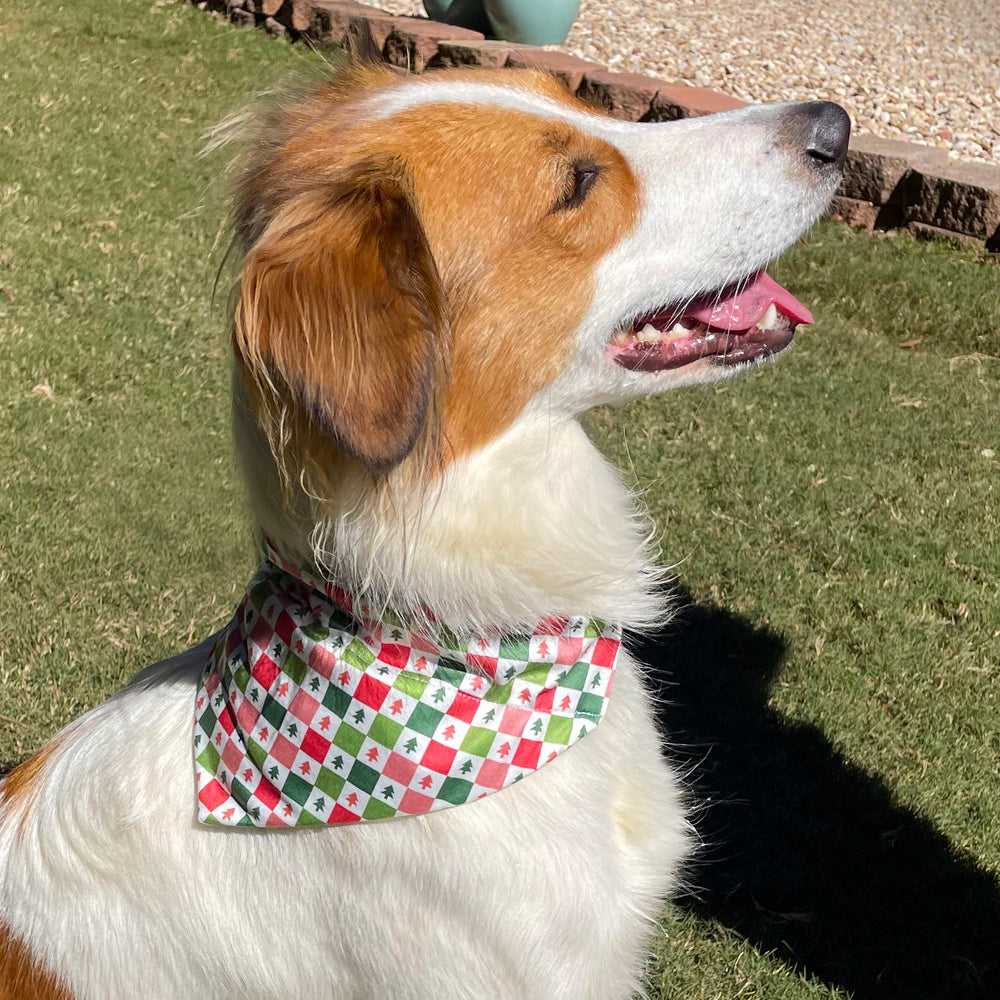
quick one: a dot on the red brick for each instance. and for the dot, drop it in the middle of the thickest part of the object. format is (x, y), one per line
(622, 95)
(922, 231)
(677, 101)
(413, 42)
(569, 70)
(962, 198)
(488, 53)
(854, 212)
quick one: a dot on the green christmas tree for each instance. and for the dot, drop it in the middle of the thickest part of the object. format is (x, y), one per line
(410, 745)
(359, 716)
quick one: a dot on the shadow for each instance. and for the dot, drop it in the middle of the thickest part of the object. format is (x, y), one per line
(806, 854)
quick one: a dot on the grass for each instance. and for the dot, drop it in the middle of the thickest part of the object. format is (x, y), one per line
(831, 684)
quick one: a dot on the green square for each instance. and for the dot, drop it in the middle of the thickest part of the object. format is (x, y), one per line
(256, 753)
(348, 738)
(424, 719)
(514, 649)
(209, 758)
(363, 777)
(306, 818)
(207, 721)
(499, 694)
(239, 791)
(478, 741)
(329, 783)
(242, 677)
(385, 731)
(455, 790)
(295, 668)
(337, 700)
(273, 712)
(575, 677)
(296, 789)
(357, 655)
(377, 810)
(410, 683)
(590, 705)
(559, 730)
(449, 672)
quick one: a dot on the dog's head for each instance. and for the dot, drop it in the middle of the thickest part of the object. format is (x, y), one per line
(426, 258)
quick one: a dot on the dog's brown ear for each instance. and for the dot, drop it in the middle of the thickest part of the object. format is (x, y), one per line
(340, 310)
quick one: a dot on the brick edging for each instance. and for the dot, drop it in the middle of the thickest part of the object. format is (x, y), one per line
(887, 183)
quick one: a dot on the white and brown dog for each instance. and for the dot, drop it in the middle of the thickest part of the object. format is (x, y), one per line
(438, 275)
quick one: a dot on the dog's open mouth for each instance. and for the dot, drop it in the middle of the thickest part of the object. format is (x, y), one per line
(746, 322)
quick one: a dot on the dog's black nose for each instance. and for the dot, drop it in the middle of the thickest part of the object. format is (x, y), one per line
(825, 131)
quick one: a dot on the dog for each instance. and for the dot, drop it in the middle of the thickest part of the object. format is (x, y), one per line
(437, 275)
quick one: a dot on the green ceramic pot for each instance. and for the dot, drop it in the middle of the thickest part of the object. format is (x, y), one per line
(532, 22)
(464, 13)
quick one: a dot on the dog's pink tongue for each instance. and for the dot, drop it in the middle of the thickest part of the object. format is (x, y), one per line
(740, 312)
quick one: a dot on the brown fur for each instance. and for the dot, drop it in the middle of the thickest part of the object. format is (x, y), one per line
(21, 978)
(19, 788)
(474, 317)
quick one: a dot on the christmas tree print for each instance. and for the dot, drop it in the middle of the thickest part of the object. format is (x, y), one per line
(525, 695)
(293, 729)
(466, 767)
(439, 696)
(314, 684)
(372, 754)
(387, 792)
(420, 665)
(320, 804)
(304, 767)
(410, 745)
(352, 799)
(343, 677)
(504, 751)
(426, 781)
(596, 682)
(324, 723)
(273, 772)
(396, 635)
(477, 683)
(254, 694)
(263, 734)
(536, 727)
(449, 733)
(283, 689)
(490, 715)
(338, 763)
(247, 773)
(359, 716)
(564, 704)
(543, 648)
(397, 706)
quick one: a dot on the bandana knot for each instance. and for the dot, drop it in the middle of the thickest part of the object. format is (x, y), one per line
(310, 713)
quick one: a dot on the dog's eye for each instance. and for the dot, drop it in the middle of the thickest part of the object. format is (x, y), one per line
(579, 180)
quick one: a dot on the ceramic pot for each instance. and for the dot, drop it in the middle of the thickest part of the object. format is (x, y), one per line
(464, 13)
(532, 22)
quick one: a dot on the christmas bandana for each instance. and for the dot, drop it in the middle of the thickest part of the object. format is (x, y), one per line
(309, 713)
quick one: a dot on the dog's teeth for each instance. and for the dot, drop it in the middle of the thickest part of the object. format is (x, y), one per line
(769, 319)
(648, 334)
(621, 338)
(678, 330)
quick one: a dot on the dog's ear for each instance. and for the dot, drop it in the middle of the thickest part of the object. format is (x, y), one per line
(340, 310)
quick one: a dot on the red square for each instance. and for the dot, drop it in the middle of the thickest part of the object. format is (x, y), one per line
(212, 795)
(267, 793)
(248, 714)
(527, 754)
(438, 757)
(304, 706)
(342, 815)
(371, 692)
(264, 671)
(322, 660)
(226, 720)
(284, 627)
(492, 774)
(487, 664)
(414, 803)
(393, 655)
(232, 757)
(398, 768)
(514, 720)
(315, 745)
(284, 751)
(464, 707)
(570, 648)
(545, 699)
(605, 652)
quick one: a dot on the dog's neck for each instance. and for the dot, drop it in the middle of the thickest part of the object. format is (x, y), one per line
(536, 523)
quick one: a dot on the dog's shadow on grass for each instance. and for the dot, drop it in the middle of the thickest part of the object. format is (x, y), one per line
(805, 853)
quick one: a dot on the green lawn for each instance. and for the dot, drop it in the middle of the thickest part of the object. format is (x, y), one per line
(831, 686)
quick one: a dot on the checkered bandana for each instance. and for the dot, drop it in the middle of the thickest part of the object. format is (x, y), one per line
(309, 713)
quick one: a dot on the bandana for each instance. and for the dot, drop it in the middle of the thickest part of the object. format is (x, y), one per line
(310, 713)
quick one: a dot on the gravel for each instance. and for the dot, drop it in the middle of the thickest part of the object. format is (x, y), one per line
(923, 70)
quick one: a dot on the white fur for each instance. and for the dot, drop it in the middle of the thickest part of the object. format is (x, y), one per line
(547, 890)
